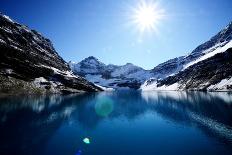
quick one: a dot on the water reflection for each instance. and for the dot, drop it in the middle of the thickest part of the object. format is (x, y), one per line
(29, 122)
(212, 112)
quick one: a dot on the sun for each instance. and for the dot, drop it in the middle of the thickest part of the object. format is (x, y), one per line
(147, 15)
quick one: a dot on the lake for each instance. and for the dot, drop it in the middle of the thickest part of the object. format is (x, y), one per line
(117, 123)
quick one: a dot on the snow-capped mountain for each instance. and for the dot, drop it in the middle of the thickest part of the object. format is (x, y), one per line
(111, 76)
(216, 44)
(29, 63)
(202, 69)
(205, 68)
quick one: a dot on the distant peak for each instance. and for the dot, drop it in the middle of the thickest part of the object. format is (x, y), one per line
(129, 64)
(91, 57)
(92, 60)
(71, 62)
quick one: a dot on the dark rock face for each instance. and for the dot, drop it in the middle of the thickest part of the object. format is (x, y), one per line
(204, 74)
(34, 46)
(27, 55)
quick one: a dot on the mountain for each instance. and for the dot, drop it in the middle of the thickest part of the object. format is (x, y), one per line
(111, 76)
(208, 67)
(30, 64)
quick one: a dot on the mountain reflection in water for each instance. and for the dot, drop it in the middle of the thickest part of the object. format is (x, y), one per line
(57, 124)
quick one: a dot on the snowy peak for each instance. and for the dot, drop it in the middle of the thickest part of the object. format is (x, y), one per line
(219, 43)
(223, 37)
(126, 70)
(92, 62)
(131, 67)
(112, 76)
(202, 69)
(90, 65)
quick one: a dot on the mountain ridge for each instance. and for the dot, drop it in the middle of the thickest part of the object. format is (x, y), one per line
(113, 76)
(217, 44)
(174, 68)
(30, 64)
(177, 64)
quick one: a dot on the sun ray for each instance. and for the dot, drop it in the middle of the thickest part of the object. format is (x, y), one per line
(147, 15)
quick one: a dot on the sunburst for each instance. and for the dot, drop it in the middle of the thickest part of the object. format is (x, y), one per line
(147, 15)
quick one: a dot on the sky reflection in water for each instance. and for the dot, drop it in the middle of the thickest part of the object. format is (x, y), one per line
(124, 122)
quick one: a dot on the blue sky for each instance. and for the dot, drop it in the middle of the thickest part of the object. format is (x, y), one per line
(102, 28)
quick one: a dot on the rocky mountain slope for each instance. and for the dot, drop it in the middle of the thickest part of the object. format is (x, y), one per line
(113, 76)
(208, 67)
(30, 64)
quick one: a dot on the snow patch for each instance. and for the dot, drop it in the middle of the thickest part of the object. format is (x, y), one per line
(153, 86)
(222, 85)
(17, 48)
(104, 88)
(6, 29)
(39, 80)
(64, 73)
(219, 48)
(8, 18)
(9, 71)
(2, 41)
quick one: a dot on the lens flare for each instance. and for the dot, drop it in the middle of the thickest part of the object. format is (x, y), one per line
(86, 140)
(104, 106)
